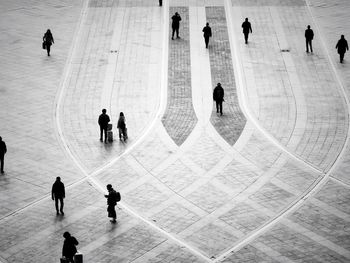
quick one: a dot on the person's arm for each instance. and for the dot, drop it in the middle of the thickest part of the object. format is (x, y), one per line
(336, 46)
(5, 148)
(210, 32)
(179, 18)
(347, 47)
(64, 191)
(250, 28)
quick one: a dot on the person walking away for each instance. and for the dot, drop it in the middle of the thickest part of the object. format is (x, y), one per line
(122, 127)
(48, 40)
(342, 46)
(175, 25)
(3, 150)
(309, 35)
(112, 198)
(218, 97)
(69, 247)
(103, 121)
(246, 29)
(58, 194)
(206, 34)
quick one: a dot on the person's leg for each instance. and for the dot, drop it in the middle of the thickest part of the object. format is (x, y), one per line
(311, 46)
(101, 134)
(56, 205)
(217, 106)
(2, 162)
(105, 130)
(160, 2)
(220, 107)
(246, 37)
(307, 45)
(177, 32)
(341, 57)
(48, 48)
(62, 205)
(206, 39)
(172, 35)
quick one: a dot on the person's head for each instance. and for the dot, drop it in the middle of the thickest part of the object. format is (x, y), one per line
(308, 27)
(58, 179)
(219, 84)
(207, 24)
(66, 235)
(176, 13)
(342, 36)
(121, 114)
(48, 31)
(104, 111)
(109, 187)
(246, 19)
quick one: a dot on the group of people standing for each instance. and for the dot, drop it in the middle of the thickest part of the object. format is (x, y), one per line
(103, 121)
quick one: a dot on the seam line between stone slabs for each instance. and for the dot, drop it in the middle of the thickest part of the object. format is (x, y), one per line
(313, 188)
(97, 184)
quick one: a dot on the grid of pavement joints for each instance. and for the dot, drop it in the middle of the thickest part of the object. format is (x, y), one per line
(179, 118)
(231, 124)
(79, 222)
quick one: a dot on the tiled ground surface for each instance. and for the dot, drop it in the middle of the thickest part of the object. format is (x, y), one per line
(191, 192)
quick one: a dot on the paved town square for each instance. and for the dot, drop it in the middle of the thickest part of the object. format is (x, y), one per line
(266, 181)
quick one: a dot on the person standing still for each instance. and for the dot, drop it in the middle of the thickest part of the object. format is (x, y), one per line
(218, 97)
(246, 29)
(3, 150)
(112, 198)
(175, 25)
(122, 127)
(342, 46)
(69, 247)
(103, 121)
(58, 194)
(206, 34)
(309, 35)
(48, 40)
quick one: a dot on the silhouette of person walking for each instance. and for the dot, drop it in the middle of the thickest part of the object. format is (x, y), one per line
(122, 127)
(69, 247)
(206, 34)
(112, 198)
(48, 40)
(309, 35)
(3, 150)
(58, 194)
(218, 97)
(246, 29)
(103, 121)
(342, 46)
(175, 25)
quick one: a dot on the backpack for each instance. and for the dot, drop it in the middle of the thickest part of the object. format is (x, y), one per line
(117, 197)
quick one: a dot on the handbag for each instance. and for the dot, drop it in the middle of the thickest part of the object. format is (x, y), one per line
(44, 44)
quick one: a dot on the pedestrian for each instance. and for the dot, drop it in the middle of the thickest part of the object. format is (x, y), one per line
(246, 29)
(160, 2)
(175, 25)
(206, 34)
(3, 150)
(69, 247)
(122, 127)
(58, 194)
(48, 41)
(103, 121)
(218, 97)
(309, 35)
(342, 46)
(112, 198)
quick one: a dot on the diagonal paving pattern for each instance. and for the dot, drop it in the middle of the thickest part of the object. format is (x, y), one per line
(193, 197)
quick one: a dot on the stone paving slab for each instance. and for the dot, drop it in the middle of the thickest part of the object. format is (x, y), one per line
(28, 84)
(179, 118)
(231, 124)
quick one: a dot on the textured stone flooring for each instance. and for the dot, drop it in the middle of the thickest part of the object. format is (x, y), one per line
(266, 182)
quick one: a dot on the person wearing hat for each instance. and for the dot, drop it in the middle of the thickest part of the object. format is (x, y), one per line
(175, 25)
(218, 97)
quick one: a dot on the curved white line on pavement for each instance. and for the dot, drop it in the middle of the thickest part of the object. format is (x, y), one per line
(159, 114)
(312, 189)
